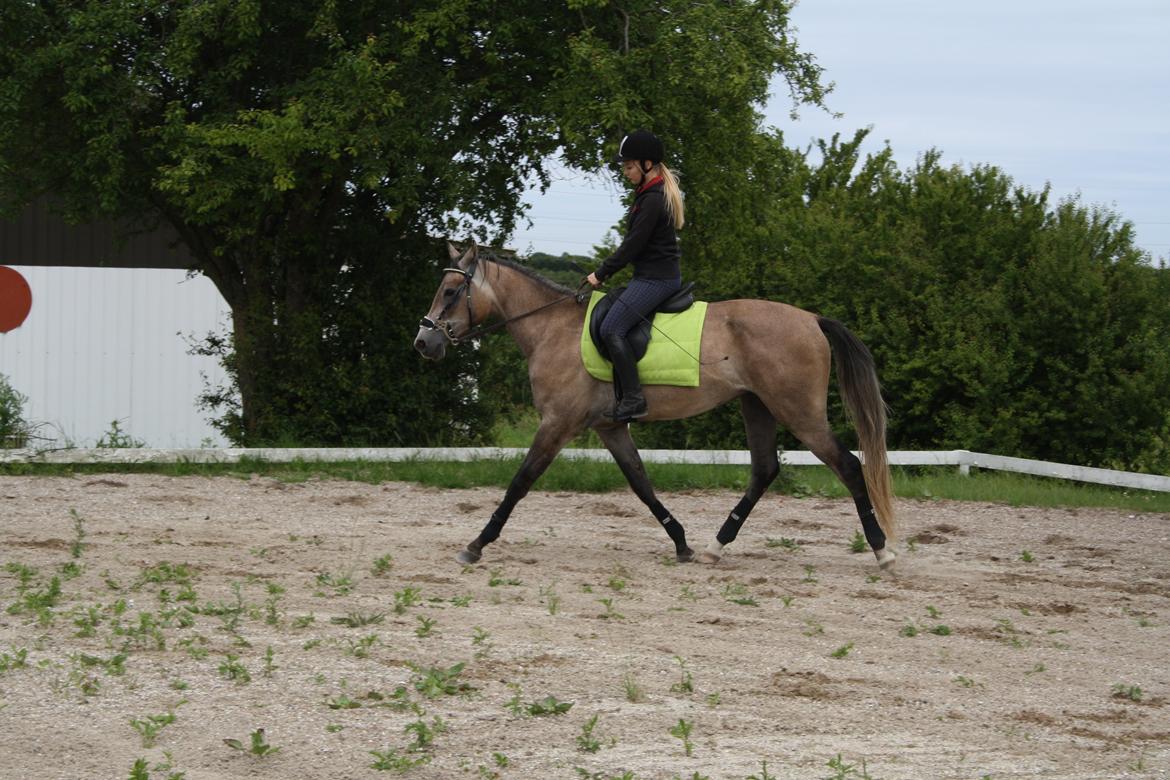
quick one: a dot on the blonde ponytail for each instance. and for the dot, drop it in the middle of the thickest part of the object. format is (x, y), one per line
(674, 196)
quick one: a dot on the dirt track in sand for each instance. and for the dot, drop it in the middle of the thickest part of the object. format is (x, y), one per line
(971, 662)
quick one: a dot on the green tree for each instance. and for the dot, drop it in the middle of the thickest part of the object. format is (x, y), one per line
(999, 322)
(304, 150)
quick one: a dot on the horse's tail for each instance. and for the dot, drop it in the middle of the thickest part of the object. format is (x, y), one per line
(867, 411)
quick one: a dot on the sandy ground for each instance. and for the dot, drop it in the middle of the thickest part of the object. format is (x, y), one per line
(976, 660)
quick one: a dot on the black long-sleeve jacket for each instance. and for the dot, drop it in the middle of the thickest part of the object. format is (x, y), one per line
(650, 242)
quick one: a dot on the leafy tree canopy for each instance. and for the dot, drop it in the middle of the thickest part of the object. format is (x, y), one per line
(1000, 322)
(302, 150)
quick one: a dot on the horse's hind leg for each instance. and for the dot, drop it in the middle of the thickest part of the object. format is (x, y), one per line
(761, 436)
(829, 449)
(550, 438)
(617, 440)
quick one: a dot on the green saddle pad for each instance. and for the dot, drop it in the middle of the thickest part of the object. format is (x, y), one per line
(665, 362)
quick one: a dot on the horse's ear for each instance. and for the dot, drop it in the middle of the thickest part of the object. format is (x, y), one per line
(453, 251)
(469, 256)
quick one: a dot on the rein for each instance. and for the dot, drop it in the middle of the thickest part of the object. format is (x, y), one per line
(475, 333)
(443, 326)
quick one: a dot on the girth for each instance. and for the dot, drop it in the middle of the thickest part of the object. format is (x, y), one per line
(639, 337)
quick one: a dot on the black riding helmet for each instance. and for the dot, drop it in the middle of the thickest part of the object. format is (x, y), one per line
(641, 145)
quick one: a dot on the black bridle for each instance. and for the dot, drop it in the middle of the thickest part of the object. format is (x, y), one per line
(442, 324)
(445, 327)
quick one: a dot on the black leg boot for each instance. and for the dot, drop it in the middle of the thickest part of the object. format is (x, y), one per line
(625, 373)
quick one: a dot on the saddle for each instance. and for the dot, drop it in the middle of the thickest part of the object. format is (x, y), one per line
(639, 337)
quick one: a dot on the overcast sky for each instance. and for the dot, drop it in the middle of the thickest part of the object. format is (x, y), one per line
(1067, 92)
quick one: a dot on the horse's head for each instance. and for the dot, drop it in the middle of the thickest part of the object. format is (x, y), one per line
(455, 309)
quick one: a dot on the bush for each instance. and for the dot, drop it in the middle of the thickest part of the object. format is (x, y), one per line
(998, 321)
(14, 429)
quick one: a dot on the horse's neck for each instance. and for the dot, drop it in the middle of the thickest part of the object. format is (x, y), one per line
(517, 294)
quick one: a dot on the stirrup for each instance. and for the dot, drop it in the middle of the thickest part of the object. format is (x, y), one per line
(628, 410)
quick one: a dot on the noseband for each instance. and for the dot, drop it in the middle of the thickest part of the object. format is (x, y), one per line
(442, 324)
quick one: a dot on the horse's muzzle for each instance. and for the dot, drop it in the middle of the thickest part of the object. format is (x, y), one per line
(431, 343)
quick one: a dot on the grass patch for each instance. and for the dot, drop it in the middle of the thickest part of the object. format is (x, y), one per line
(588, 477)
(999, 487)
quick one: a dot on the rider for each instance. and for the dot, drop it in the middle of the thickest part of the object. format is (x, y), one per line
(652, 246)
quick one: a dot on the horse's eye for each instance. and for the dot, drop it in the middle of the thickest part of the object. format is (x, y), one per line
(449, 292)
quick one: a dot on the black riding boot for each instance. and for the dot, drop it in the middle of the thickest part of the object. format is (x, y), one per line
(625, 375)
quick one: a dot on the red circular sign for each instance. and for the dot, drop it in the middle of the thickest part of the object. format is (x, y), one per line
(15, 299)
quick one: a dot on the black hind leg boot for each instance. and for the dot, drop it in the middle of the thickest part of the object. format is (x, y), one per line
(625, 373)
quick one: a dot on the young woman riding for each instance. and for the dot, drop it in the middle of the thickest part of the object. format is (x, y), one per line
(651, 245)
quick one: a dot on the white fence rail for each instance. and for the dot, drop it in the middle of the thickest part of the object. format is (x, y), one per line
(962, 459)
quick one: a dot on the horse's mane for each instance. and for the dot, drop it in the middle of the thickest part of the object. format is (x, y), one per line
(531, 274)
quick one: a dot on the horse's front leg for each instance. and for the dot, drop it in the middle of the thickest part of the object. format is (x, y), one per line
(617, 440)
(551, 437)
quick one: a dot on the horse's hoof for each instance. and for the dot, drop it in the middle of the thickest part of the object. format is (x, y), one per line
(713, 554)
(686, 556)
(886, 558)
(467, 557)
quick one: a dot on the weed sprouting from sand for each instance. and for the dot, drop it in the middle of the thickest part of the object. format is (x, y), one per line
(257, 744)
(632, 689)
(682, 730)
(610, 613)
(151, 725)
(77, 544)
(358, 619)
(844, 771)
(586, 742)
(686, 682)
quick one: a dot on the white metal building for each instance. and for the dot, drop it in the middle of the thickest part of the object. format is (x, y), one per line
(105, 344)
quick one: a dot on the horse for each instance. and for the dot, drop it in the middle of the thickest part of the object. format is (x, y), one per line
(775, 361)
